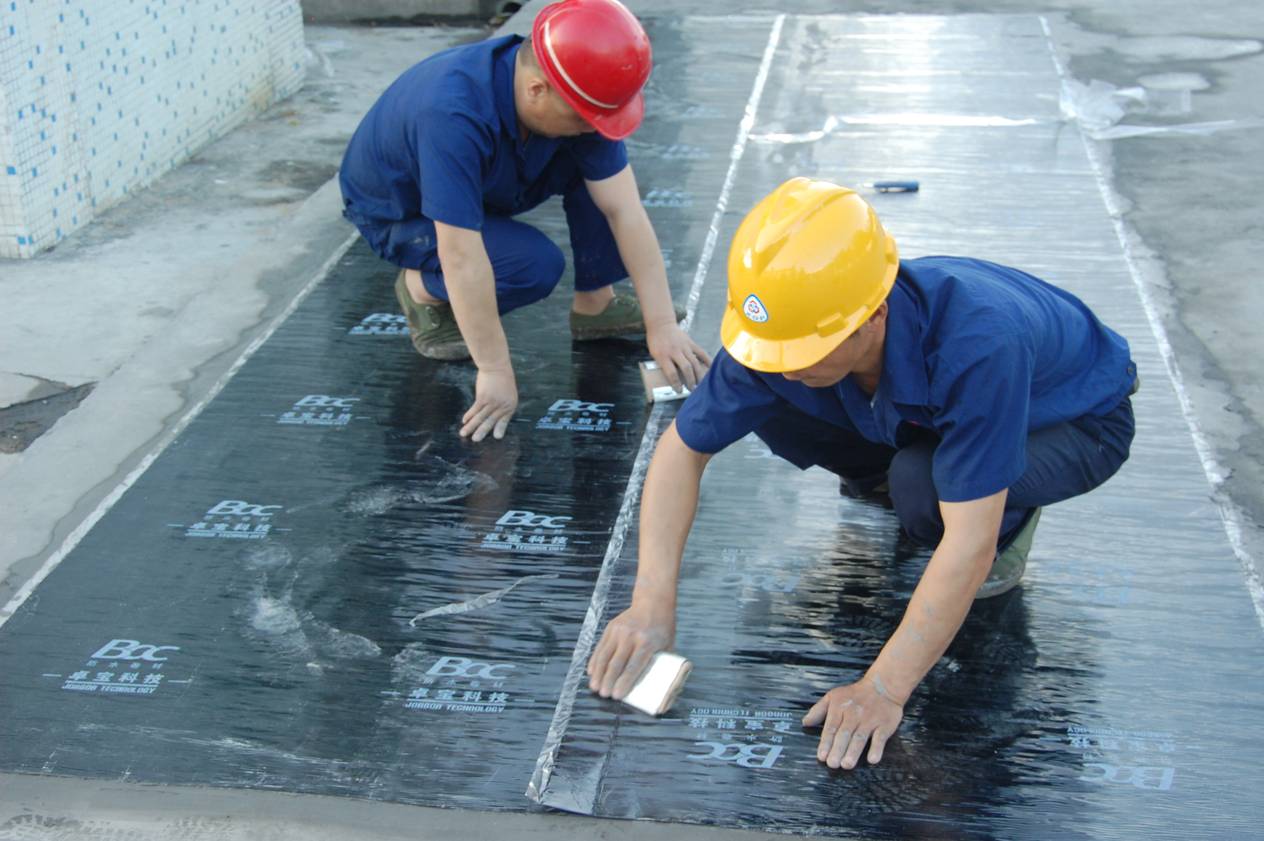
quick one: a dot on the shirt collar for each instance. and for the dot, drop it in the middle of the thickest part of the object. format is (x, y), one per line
(503, 82)
(903, 362)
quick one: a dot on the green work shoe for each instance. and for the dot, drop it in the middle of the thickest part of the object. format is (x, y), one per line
(621, 317)
(1010, 562)
(432, 327)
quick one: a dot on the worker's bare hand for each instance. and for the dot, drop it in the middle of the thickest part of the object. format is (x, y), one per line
(682, 360)
(625, 649)
(852, 716)
(495, 400)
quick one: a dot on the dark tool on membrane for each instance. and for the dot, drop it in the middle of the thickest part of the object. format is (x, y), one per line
(659, 685)
(895, 186)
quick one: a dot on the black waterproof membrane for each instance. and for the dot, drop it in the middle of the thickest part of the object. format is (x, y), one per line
(320, 588)
(1117, 694)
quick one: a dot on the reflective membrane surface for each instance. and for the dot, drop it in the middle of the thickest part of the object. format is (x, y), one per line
(320, 588)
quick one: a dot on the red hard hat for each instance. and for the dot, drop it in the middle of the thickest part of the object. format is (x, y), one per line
(597, 57)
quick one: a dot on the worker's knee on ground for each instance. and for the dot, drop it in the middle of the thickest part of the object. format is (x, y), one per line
(547, 270)
(913, 495)
(533, 276)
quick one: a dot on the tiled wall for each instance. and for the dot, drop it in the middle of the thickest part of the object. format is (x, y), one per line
(100, 97)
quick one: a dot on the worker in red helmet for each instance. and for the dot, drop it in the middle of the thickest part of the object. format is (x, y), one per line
(467, 139)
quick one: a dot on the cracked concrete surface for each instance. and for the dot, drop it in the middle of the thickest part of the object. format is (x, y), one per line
(24, 422)
(16, 387)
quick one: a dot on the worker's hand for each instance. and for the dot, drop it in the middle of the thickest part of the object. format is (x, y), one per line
(495, 400)
(853, 715)
(682, 360)
(625, 649)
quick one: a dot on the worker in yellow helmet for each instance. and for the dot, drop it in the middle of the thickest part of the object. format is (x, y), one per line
(972, 393)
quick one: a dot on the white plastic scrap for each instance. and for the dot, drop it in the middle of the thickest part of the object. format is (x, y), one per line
(1100, 106)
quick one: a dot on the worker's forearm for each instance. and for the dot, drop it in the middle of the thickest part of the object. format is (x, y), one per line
(934, 615)
(472, 292)
(668, 504)
(643, 258)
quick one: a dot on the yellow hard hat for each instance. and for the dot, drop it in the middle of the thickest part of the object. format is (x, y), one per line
(807, 267)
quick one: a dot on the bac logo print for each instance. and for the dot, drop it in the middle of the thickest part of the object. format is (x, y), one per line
(133, 650)
(759, 582)
(320, 410)
(381, 324)
(746, 755)
(463, 667)
(234, 519)
(459, 684)
(526, 531)
(1138, 758)
(530, 520)
(743, 737)
(667, 198)
(1151, 777)
(577, 416)
(700, 112)
(685, 152)
(123, 667)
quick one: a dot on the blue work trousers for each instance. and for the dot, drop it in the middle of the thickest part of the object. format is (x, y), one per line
(526, 264)
(1063, 461)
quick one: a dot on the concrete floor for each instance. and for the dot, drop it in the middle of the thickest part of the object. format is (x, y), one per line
(157, 301)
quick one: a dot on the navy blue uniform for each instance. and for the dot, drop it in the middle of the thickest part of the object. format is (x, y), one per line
(443, 144)
(991, 379)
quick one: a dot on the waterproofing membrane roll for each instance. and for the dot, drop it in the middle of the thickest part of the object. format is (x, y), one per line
(1115, 695)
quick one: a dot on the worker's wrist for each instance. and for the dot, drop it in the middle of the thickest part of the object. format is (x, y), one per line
(890, 687)
(655, 595)
(495, 365)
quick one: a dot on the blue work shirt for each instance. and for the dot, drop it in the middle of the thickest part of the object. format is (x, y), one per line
(977, 353)
(443, 142)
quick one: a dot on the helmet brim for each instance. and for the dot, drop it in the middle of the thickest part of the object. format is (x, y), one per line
(617, 124)
(610, 123)
(774, 357)
(770, 356)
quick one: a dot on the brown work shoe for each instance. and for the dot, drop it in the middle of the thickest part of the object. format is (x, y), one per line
(621, 317)
(432, 327)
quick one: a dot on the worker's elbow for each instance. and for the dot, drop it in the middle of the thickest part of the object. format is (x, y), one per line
(454, 256)
(983, 560)
(622, 211)
(459, 248)
(973, 552)
(616, 216)
(460, 264)
(675, 463)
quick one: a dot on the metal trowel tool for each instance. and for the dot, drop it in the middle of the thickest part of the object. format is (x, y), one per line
(659, 685)
(657, 389)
